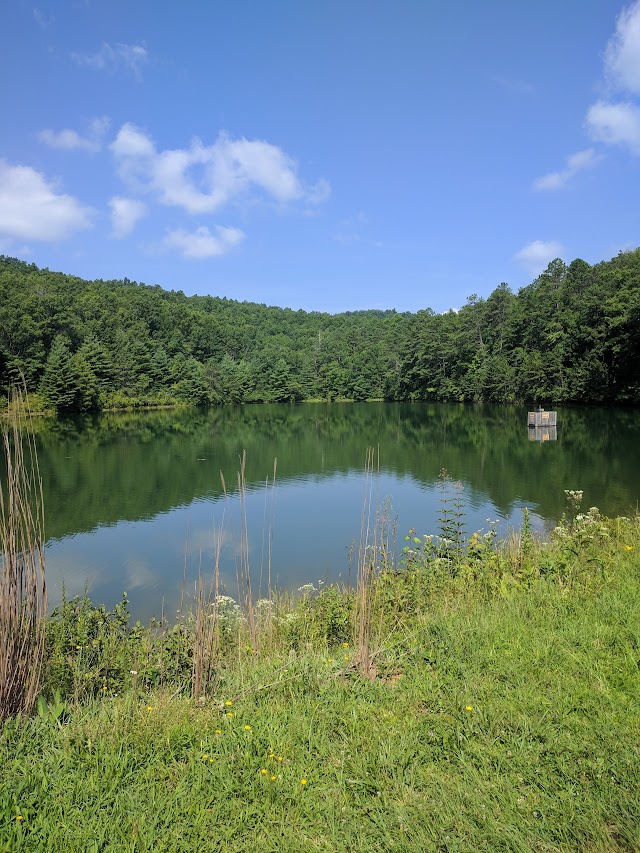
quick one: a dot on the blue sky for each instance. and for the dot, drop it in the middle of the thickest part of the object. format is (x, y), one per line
(320, 154)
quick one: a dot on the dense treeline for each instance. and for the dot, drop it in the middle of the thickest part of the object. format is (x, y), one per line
(571, 335)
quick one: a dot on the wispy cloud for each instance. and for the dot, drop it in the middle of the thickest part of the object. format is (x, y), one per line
(71, 140)
(202, 243)
(513, 84)
(204, 178)
(537, 255)
(622, 56)
(350, 232)
(608, 121)
(129, 58)
(615, 124)
(42, 20)
(125, 215)
(32, 209)
(618, 122)
(577, 162)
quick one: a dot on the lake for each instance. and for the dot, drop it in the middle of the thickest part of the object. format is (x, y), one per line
(136, 501)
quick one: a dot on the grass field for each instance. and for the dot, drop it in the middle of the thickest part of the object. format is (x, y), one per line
(499, 711)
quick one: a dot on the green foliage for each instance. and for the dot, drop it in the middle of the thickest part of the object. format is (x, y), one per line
(499, 715)
(571, 335)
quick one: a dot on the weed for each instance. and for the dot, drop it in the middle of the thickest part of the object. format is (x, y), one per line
(23, 599)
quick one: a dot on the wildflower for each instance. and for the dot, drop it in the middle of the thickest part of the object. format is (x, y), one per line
(218, 731)
(229, 713)
(469, 708)
(263, 771)
(133, 672)
(247, 728)
(346, 657)
(273, 778)
(345, 645)
(149, 707)
(205, 756)
(272, 755)
(279, 758)
(19, 818)
(330, 660)
(303, 781)
(78, 647)
(628, 547)
(228, 703)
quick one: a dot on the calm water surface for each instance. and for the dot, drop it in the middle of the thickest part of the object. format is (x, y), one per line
(133, 501)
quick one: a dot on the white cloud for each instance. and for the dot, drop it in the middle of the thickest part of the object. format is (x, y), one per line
(202, 243)
(606, 121)
(125, 214)
(622, 56)
(122, 57)
(71, 140)
(535, 256)
(202, 179)
(31, 209)
(618, 123)
(575, 163)
(615, 124)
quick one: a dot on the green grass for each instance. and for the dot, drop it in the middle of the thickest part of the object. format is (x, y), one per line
(503, 716)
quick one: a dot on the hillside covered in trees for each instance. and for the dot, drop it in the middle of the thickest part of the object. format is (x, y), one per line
(572, 335)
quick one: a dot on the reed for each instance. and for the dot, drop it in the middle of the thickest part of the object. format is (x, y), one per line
(206, 639)
(368, 552)
(23, 598)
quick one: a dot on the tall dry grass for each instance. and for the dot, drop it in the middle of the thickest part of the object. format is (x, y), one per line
(23, 597)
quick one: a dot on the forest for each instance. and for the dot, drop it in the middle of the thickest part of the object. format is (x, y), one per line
(572, 335)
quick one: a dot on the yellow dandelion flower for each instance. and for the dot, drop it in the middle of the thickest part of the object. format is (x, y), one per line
(303, 781)
(211, 761)
(272, 755)
(345, 645)
(19, 817)
(205, 756)
(247, 728)
(346, 657)
(330, 660)
(228, 703)
(218, 731)
(78, 647)
(149, 707)
(469, 708)
(273, 778)
(263, 771)
(628, 547)
(279, 758)
(229, 713)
